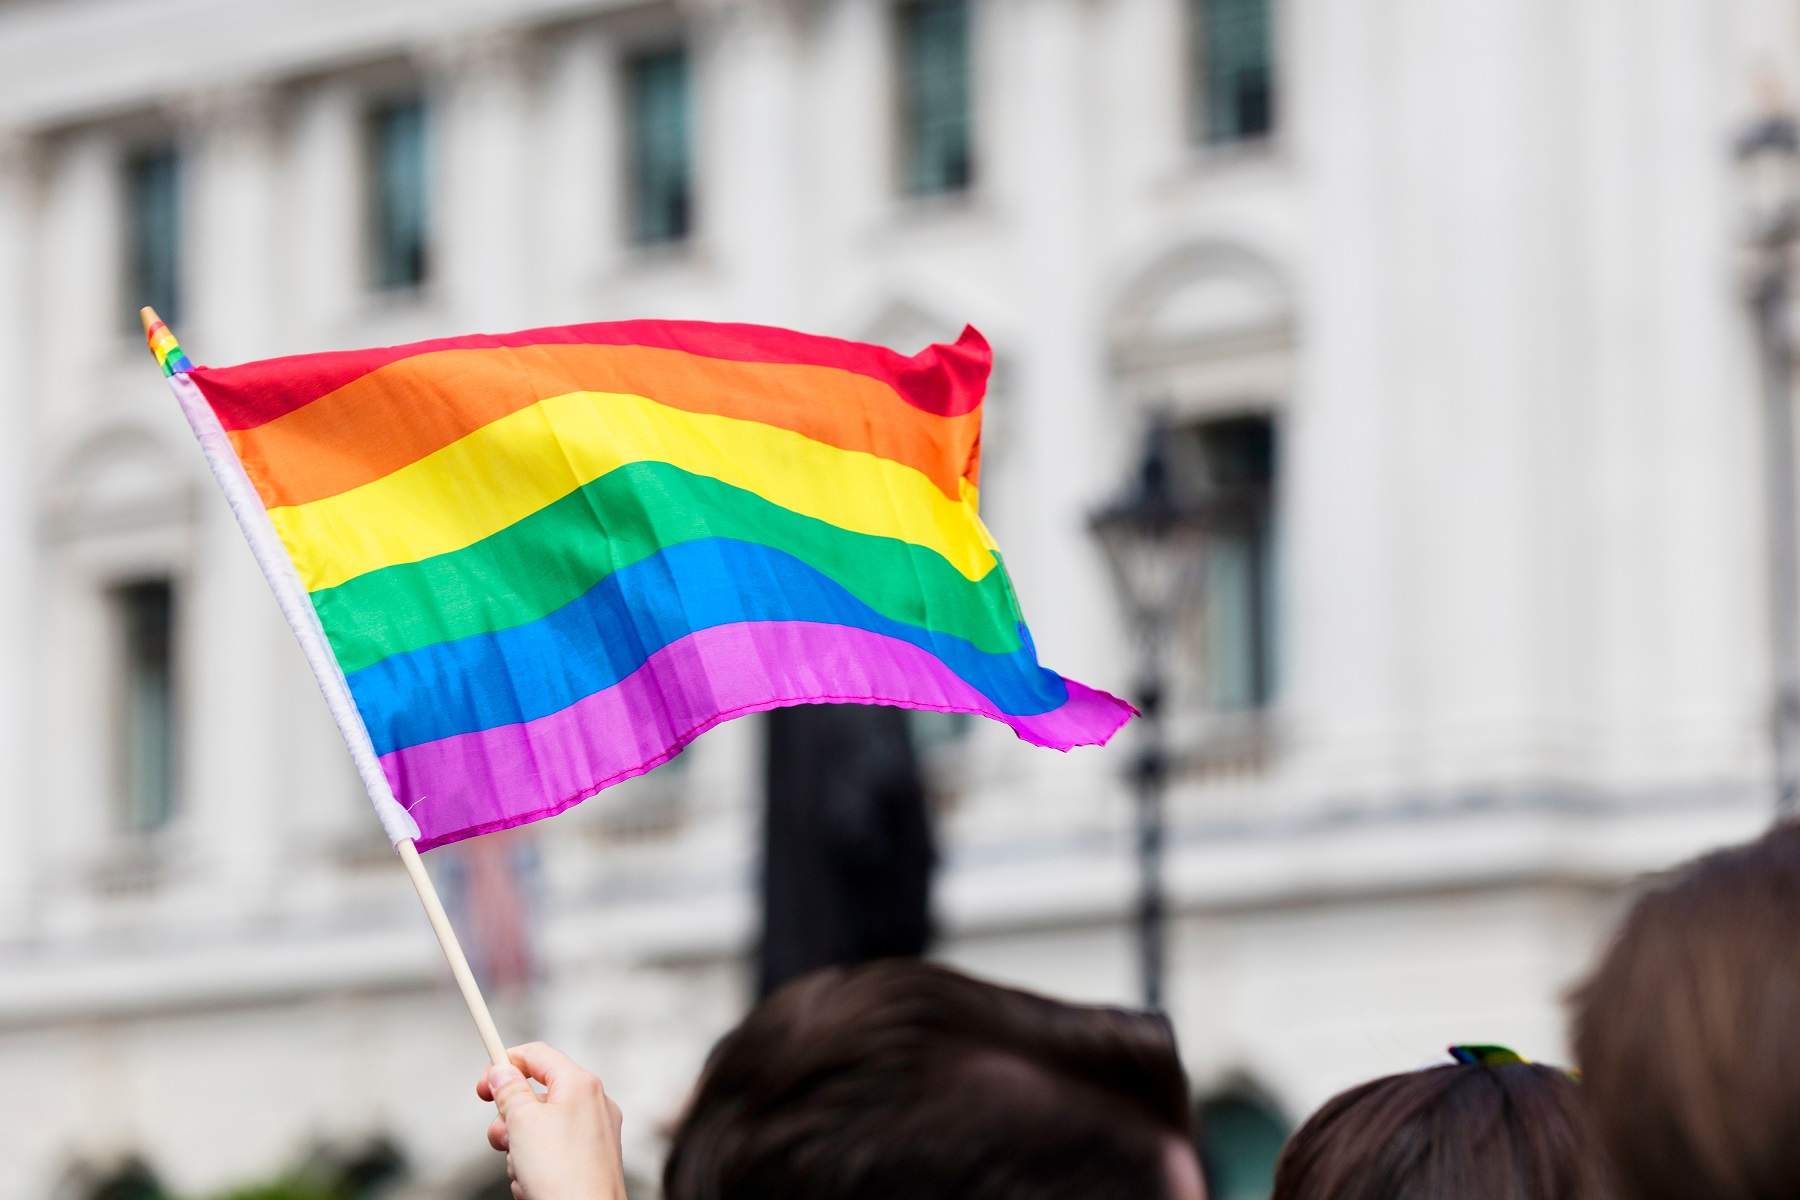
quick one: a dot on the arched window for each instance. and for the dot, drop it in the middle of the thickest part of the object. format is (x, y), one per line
(1239, 1137)
(1203, 343)
(120, 525)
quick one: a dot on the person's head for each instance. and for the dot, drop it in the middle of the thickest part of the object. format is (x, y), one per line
(1513, 1131)
(1688, 1033)
(899, 1079)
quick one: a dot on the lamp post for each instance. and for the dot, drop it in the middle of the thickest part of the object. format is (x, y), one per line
(1152, 539)
(1769, 155)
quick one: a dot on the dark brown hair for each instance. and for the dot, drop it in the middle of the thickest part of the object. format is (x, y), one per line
(1688, 1034)
(1511, 1132)
(900, 1079)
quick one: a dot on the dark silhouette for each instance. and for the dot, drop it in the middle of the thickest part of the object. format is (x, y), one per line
(847, 849)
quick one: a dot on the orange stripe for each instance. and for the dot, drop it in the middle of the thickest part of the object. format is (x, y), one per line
(408, 409)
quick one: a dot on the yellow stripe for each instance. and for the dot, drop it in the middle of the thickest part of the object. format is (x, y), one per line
(509, 469)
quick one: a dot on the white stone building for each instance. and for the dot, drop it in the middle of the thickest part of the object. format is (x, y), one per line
(1471, 266)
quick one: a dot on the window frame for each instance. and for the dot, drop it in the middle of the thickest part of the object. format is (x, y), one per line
(135, 251)
(1198, 81)
(901, 107)
(127, 807)
(1252, 521)
(632, 60)
(377, 109)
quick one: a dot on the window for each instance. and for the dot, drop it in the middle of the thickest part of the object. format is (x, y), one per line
(144, 733)
(399, 194)
(935, 125)
(1238, 1138)
(1233, 58)
(153, 233)
(1231, 463)
(662, 185)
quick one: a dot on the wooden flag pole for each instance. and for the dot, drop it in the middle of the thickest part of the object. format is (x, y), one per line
(459, 965)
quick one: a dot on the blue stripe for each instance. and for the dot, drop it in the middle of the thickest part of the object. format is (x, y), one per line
(533, 670)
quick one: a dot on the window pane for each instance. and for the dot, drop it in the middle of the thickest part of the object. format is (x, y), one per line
(1239, 456)
(145, 735)
(153, 234)
(1231, 622)
(1234, 68)
(400, 194)
(934, 96)
(1230, 465)
(661, 159)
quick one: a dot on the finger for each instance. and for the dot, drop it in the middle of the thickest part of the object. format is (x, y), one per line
(482, 1089)
(550, 1067)
(508, 1089)
(497, 1135)
(517, 1191)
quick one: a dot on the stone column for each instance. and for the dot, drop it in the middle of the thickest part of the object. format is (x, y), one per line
(481, 139)
(74, 287)
(577, 199)
(18, 557)
(235, 643)
(231, 226)
(1346, 607)
(751, 200)
(323, 230)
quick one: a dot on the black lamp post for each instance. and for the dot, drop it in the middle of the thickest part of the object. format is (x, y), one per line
(1152, 539)
(1769, 155)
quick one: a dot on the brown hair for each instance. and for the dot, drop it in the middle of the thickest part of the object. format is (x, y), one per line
(900, 1079)
(1510, 1132)
(1688, 1034)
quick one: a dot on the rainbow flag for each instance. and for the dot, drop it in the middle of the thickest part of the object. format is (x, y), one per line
(528, 566)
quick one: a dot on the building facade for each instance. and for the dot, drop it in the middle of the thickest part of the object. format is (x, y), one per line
(1453, 288)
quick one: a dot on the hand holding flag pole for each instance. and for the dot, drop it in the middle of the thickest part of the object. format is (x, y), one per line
(278, 569)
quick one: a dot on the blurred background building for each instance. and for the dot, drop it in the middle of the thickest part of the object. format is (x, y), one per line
(1451, 292)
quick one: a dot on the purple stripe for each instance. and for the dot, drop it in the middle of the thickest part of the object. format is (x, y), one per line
(474, 783)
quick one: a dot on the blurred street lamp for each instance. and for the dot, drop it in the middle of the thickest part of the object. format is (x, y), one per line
(1769, 157)
(1152, 538)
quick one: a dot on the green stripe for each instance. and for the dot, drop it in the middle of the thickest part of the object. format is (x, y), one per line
(538, 564)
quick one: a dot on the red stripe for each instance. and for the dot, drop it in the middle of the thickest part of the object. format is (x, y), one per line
(946, 380)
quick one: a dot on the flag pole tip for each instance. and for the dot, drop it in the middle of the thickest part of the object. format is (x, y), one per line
(163, 345)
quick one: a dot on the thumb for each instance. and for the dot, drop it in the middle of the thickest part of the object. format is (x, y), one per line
(509, 1088)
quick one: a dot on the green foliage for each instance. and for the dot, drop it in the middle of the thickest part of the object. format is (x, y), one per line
(298, 1186)
(330, 1175)
(132, 1181)
(325, 1175)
